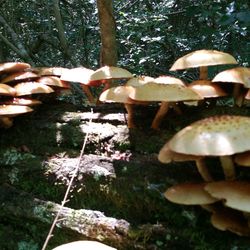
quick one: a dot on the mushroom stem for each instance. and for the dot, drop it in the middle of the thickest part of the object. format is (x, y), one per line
(203, 73)
(88, 93)
(6, 122)
(237, 95)
(176, 108)
(203, 170)
(162, 111)
(228, 167)
(130, 119)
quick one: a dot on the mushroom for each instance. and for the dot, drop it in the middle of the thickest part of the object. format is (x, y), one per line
(106, 75)
(189, 194)
(22, 102)
(81, 75)
(13, 67)
(243, 159)
(221, 136)
(203, 59)
(6, 90)
(166, 90)
(84, 244)
(48, 71)
(29, 88)
(235, 194)
(239, 76)
(16, 77)
(7, 112)
(228, 219)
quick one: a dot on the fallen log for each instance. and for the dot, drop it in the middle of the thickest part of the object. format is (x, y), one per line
(90, 224)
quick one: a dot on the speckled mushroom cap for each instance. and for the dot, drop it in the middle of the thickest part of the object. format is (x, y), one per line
(189, 194)
(201, 58)
(139, 81)
(6, 90)
(118, 94)
(164, 92)
(84, 245)
(29, 88)
(236, 75)
(110, 72)
(235, 194)
(13, 110)
(13, 66)
(80, 74)
(207, 89)
(231, 220)
(213, 136)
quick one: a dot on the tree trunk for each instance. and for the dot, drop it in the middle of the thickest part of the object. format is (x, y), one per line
(108, 55)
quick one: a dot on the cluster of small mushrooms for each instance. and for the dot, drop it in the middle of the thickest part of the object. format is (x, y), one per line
(226, 137)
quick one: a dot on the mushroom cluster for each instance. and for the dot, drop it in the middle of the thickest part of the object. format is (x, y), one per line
(21, 88)
(226, 137)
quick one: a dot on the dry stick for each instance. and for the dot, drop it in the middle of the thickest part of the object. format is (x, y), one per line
(68, 189)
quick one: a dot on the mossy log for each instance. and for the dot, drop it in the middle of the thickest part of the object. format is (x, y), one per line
(90, 224)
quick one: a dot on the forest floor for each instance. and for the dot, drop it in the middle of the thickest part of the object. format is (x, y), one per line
(119, 175)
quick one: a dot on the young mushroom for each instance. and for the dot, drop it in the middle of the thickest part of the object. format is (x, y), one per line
(202, 59)
(218, 136)
(9, 67)
(240, 77)
(84, 245)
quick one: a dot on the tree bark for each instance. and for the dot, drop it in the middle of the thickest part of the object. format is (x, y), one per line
(108, 55)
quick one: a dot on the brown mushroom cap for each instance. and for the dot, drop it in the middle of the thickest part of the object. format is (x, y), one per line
(236, 75)
(13, 66)
(84, 245)
(201, 58)
(169, 80)
(80, 74)
(13, 110)
(231, 220)
(163, 92)
(110, 72)
(48, 71)
(213, 136)
(53, 81)
(22, 102)
(207, 89)
(19, 76)
(189, 194)
(7, 90)
(29, 88)
(236, 194)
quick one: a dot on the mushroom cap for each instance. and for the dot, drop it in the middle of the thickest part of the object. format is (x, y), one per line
(118, 94)
(13, 110)
(80, 74)
(22, 102)
(243, 159)
(163, 92)
(7, 90)
(166, 155)
(48, 71)
(29, 88)
(169, 80)
(201, 58)
(235, 194)
(86, 245)
(139, 81)
(236, 75)
(13, 66)
(213, 136)
(207, 89)
(53, 81)
(189, 194)
(19, 76)
(110, 72)
(231, 220)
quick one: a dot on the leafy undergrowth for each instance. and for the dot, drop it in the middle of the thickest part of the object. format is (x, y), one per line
(37, 153)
